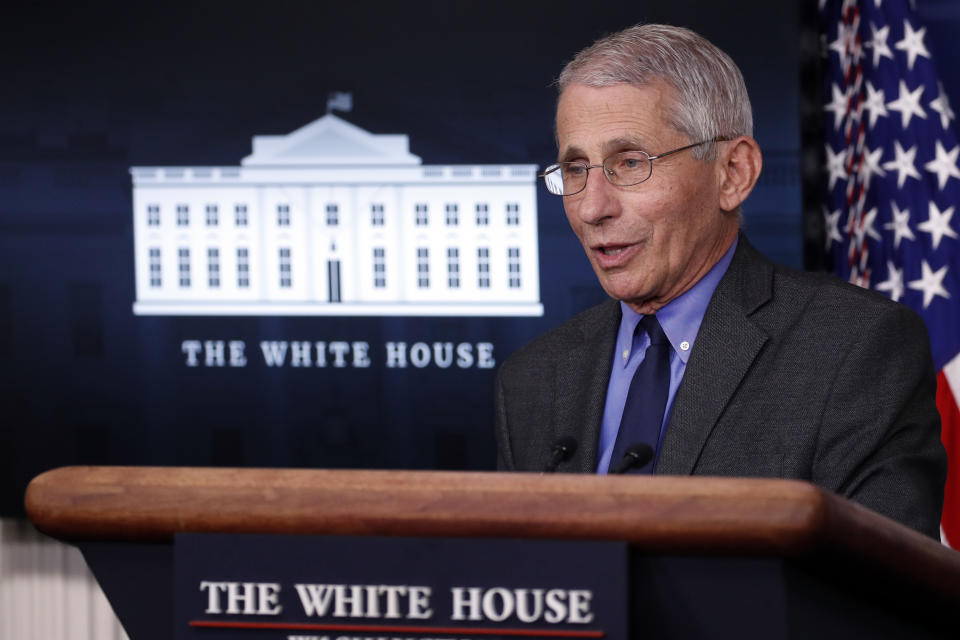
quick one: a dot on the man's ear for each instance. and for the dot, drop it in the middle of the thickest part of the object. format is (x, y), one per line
(739, 163)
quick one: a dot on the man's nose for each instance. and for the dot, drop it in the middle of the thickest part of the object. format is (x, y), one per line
(597, 201)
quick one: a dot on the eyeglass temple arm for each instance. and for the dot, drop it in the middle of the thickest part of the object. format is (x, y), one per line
(662, 155)
(690, 146)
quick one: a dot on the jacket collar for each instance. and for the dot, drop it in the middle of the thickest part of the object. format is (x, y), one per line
(727, 345)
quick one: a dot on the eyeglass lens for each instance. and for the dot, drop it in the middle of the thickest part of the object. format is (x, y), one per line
(622, 169)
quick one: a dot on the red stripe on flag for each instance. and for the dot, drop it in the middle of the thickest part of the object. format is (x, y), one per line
(950, 434)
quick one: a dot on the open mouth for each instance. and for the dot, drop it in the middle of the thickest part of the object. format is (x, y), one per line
(613, 256)
(607, 251)
(612, 249)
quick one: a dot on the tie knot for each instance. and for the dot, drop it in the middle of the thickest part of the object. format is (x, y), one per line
(652, 326)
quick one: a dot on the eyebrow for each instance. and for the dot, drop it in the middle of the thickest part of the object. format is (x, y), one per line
(569, 153)
(633, 143)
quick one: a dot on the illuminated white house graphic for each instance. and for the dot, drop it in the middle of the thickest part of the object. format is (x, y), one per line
(334, 220)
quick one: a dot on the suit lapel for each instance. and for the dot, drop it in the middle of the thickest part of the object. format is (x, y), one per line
(726, 346)
(582, 376)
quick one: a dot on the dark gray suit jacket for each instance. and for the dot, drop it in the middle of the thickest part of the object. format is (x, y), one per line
(792, 375)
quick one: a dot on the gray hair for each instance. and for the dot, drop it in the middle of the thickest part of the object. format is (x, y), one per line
(712, 96)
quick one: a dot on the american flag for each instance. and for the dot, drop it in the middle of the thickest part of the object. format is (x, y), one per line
(893, 184)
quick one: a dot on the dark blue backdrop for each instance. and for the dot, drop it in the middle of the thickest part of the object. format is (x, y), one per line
(90, 91)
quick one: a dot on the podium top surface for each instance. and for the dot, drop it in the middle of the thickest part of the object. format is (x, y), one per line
(656, 514)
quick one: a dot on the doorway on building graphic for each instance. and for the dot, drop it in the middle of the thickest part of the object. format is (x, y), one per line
(333, 280)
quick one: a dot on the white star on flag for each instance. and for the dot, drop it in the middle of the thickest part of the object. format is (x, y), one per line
(874, 104)
(838, 105)
(871, 165)
(944, 164)
(941, 104)
(908, 104)
(903, 163)
(832, 224)
(866, 226)
(938, 224)
(878, 42)
(894, 282)
(840, 44)
(912, 44)
(930, 283)
(836, 165)
(900, 225)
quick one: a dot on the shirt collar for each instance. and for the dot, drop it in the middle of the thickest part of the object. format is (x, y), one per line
(681, 317)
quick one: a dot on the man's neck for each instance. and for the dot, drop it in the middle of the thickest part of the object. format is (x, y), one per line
(716, 252)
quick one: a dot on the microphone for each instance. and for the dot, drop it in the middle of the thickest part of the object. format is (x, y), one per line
(636, 455)
(563, 449)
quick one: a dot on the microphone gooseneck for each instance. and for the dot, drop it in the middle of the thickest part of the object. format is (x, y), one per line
(562, 450)
(636, 455)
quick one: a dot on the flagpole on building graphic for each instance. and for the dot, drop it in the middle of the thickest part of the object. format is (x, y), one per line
(340, 101)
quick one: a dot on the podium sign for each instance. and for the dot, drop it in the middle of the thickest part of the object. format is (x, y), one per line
(278, 587)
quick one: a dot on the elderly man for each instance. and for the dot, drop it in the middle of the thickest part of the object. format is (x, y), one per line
(709, 360)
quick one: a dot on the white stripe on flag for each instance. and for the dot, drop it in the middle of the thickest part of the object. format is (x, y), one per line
(952, 371)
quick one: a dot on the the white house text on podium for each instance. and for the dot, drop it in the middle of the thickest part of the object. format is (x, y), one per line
(334, 220)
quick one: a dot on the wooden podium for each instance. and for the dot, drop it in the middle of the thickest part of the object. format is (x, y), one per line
(710, 557)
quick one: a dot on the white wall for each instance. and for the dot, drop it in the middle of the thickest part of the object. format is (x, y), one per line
(47, 592)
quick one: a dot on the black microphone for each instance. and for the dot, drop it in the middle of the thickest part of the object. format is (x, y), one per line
(563, 449)
(636, 455)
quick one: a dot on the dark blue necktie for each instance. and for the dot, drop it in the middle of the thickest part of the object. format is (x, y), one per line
(647, 397)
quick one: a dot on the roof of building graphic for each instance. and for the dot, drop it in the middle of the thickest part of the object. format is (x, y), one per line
(331, 140)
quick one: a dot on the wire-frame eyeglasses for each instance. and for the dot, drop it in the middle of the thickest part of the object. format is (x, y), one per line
(623, 169)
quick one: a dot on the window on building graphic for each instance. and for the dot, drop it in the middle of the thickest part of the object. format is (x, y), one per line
(283, 215)
(453, 268)
(213, 268)
(183, 266)
(286, 269)
(513, 213)
(333, 215)
(183, 215)
(379, 268)
(423, 267)
(513, 267)
(153, 215)
(213, 215)
(483, 267)
(155, 268)
(421, 210)
(243, 268)
(240, 215)
(483, 214)
(453, 215)
(376, 215)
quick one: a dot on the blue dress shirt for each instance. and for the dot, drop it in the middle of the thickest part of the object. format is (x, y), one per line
(680, 320)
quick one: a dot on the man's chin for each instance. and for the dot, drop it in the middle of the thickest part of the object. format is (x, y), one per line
(623, 291)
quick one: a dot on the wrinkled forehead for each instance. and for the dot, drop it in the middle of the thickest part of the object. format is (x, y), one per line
(669, 94)
(604, 118)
